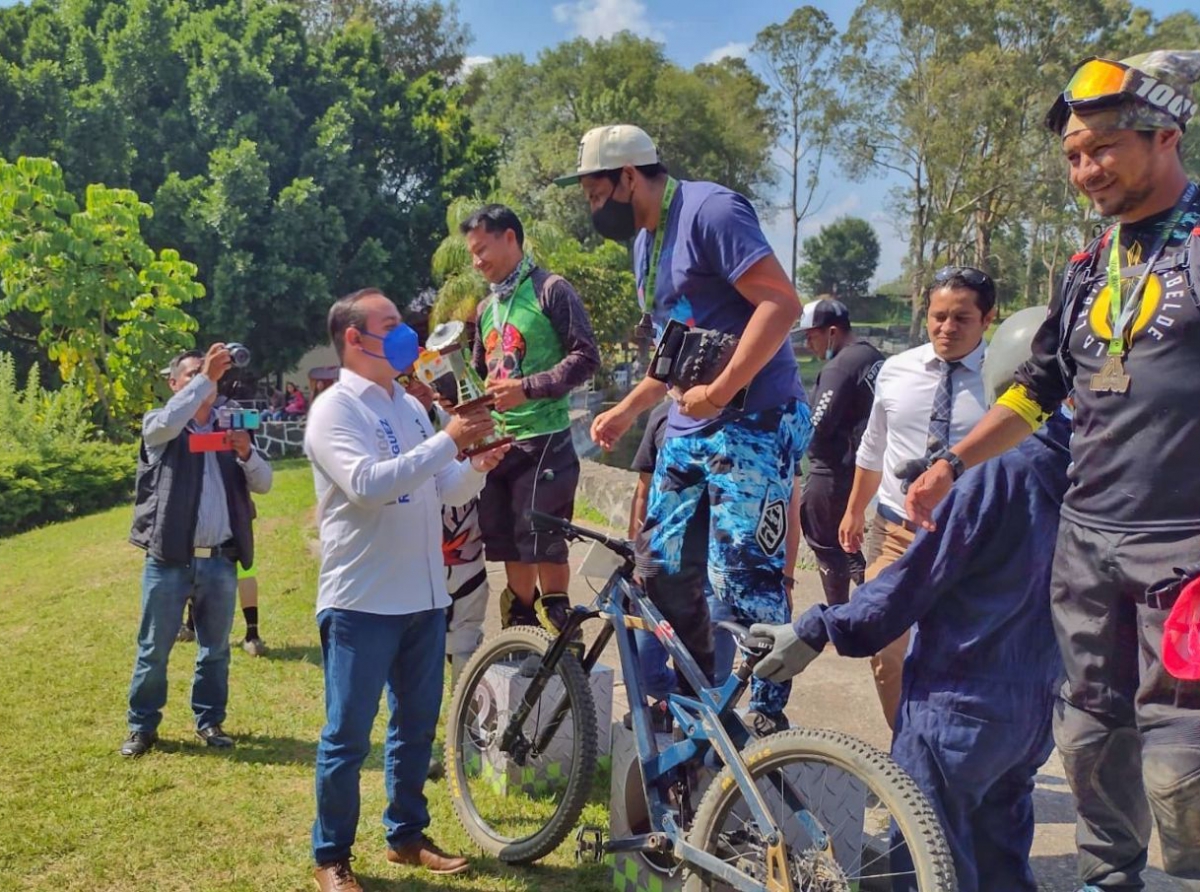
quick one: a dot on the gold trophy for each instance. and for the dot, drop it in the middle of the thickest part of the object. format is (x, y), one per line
(443, 365)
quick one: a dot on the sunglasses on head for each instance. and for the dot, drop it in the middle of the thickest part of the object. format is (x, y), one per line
(1098, 82)
(976, 278)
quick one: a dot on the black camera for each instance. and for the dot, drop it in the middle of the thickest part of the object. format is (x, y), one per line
(686, 357)
(239, 354)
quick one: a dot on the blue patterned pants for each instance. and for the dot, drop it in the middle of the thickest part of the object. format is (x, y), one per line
(718, 512)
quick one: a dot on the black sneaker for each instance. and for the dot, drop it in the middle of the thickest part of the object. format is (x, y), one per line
(138, 743)
(763, 723)
(552, 611)
(514, 612)
(215, 737)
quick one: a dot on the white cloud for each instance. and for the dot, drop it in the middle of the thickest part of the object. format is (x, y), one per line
(470, 63)
(733, 49)
(594, 19)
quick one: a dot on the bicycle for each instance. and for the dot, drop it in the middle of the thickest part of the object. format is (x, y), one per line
(790, 812)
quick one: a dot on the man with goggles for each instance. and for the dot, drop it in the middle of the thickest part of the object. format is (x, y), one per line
(1124, 336)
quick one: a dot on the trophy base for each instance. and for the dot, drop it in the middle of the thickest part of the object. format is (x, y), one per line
(486, 447)
(486, 401)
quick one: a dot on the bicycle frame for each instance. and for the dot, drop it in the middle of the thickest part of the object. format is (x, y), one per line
(708, 722)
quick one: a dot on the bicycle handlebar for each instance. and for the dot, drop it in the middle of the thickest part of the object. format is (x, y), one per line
(539, 520)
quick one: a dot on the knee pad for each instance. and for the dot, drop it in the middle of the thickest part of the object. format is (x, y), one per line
(1103, 765)
(1172, 778)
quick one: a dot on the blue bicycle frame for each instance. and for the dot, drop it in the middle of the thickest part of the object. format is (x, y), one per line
(708, 723)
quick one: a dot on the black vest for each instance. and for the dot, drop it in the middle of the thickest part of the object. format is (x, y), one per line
(168, 502)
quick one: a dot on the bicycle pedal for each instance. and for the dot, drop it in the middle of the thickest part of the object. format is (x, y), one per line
(589, 845)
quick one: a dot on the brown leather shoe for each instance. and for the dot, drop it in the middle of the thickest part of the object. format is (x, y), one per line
(336, 876)
(423, 853)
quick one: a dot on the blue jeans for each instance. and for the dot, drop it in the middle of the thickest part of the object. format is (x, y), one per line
(659, 679)
(364, 653)
(211, 583)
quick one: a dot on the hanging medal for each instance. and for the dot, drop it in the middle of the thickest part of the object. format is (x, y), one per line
(1112, 377)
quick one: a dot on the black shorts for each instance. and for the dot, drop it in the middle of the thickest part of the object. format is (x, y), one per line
(539, 473)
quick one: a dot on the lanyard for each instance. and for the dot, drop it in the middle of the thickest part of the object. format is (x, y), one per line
(651, 278)
(1122, 316)
(523, 272)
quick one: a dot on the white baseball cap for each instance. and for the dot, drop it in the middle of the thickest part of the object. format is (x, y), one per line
(611, 148)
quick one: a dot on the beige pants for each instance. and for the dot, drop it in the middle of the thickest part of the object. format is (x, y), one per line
(888, 664)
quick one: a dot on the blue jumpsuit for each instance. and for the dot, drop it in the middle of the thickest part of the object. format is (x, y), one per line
(983, 669)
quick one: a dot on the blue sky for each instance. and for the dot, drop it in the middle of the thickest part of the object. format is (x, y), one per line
(694, 31)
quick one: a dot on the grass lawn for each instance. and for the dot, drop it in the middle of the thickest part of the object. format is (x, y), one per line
(77, 816)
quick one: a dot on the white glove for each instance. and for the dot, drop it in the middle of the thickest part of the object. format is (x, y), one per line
(789, 655)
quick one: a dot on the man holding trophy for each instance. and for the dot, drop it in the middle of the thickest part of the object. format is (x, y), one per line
(533, 344)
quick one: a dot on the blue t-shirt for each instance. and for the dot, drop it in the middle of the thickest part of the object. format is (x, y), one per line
(712, 237)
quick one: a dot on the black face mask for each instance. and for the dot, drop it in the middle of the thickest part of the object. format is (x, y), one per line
(614, 220)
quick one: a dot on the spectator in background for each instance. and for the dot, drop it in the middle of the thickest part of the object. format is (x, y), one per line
(275, 403)
(296, 405)
(841, 406)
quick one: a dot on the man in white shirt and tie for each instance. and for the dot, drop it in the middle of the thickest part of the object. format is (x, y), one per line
(926, 400)
(382, 475)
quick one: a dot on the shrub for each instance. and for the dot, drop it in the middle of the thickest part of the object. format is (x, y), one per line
(60, 484)
(52, 467)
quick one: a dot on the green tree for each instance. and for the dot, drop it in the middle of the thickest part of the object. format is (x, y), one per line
(708, 123)
(417, 37)
(289, 169)
(951, 98)
(841, 259)
(800, 59)
(109, 308)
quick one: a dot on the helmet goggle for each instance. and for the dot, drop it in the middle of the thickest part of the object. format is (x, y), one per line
(1099, 83)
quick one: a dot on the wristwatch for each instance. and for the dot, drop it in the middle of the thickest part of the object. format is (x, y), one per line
(956, 464)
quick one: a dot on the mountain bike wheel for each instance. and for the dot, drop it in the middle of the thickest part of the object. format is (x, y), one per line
(880, 827)
(519, 809)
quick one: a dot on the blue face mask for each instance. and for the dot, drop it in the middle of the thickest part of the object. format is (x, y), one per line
(400, 347)
(828, 353)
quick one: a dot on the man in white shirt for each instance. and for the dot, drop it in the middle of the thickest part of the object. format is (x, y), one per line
(926, 400)
(382, 475)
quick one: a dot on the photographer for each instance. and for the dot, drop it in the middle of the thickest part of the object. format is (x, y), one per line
(192, 518)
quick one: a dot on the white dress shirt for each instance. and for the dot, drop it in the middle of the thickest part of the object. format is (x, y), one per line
(898, 429)
(382, 475)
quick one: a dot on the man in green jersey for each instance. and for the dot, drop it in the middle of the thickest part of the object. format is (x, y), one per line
(533, 343)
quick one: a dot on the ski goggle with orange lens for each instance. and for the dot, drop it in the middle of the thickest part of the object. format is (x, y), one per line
(1098, 83)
